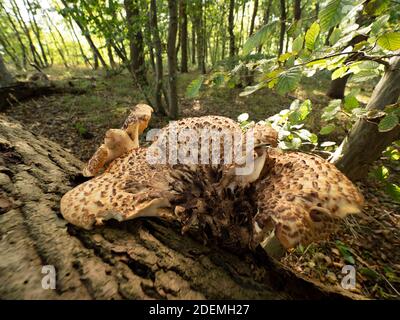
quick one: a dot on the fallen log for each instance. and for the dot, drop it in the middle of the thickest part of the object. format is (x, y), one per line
(20, 91)
(140, 259)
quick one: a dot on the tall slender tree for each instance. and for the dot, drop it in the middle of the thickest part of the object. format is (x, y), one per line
(183, 35)
(172, 63)
(158, 58)
(137, 61)
(231, 20)
(282, 27)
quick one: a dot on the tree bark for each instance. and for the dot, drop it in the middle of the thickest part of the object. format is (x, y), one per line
(138, 67)
(337, 87)
(365, 143)
(158, 57)
(283, 26)
(172, 63)
(297, 10)
(231, 18)
(253, 17)
(184, 35)
(193, 43)
(200, 36)
(6, 78)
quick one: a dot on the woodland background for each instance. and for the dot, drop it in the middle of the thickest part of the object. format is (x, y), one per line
(325, 74)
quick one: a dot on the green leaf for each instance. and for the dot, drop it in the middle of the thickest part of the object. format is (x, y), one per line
(345, 252)
(298, 43)
(369, 273)
(327, 129)
(312, 35)
(331, 110)
(388, 123)
(350, 103)
(335, 36)
(331, 14)
(288, 80)
(251, 89)
(285, 56)
(379, 23)
(394, 191)
(339, 72)
(380, 173)
(389, 41)
(257, 38)
(300, 113)
(193, 88)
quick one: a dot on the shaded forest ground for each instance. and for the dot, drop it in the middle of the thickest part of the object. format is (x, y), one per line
(371, 242)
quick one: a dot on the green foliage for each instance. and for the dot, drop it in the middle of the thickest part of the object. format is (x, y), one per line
(193, 89)
(289, 124)
(331, 110)
(258, 38)
(345, 251)
(388, 123)
(288, 80)
(331, 14)
(389, 41)
(312, 35)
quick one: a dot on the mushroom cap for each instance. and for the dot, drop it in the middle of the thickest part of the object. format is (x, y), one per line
(303, 199)
(129, 188)
(141, 115)
(116, 143)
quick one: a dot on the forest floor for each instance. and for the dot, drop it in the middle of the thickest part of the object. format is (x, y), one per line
(370, 242)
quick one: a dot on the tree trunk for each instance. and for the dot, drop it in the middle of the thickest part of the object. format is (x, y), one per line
(231, 18)
(172, 63)
(283, 26)
(253, 17)
(365, 143)
(297, 10)
(184, 35)
(85, 32)
(158, 57)
(6, 78)
(138, 67)
(139, 259)
(266, 18)
(35, 28)
(200, 36)
(14, 27)
(193, 43)
(110, 56)
(337, 87)
(35, 55)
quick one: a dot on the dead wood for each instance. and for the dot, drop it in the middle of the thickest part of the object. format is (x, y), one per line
(141, 259)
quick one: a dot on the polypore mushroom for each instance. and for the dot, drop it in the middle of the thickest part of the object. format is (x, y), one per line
(119, 141)
(116, 143)
(302, 199)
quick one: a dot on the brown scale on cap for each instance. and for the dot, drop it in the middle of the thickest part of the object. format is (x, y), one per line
(119, 141)
(129, 188)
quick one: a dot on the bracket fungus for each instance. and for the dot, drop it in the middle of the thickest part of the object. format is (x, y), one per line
(286, 198)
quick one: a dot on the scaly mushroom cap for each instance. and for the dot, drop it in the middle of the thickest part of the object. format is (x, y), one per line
(141, 115)
(207, 127)
(302, 199)
(116, 143)
(129, 188)
(119, 141)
